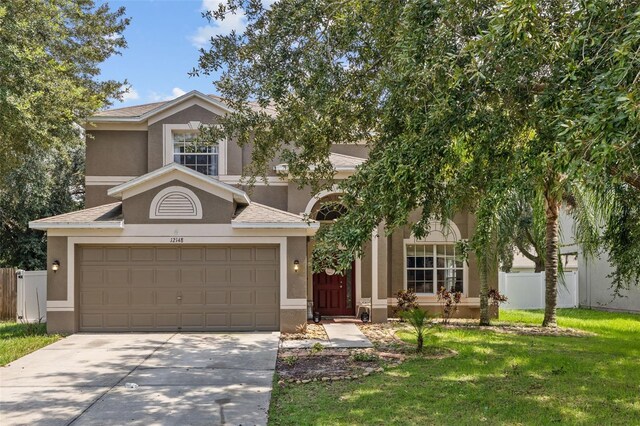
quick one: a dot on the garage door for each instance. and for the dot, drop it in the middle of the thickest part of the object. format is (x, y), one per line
(178, 288)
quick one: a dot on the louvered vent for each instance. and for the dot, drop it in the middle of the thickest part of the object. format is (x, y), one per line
(176, 203)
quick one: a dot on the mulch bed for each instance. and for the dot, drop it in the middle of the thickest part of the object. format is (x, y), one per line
(307, 365)
(312, 332)
(523, 330)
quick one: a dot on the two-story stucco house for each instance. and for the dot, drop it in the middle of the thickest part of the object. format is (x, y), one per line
(171, 240)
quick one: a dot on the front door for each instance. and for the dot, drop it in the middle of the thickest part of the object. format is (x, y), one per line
(334, 295)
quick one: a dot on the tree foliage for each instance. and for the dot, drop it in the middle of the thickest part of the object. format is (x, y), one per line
(464, 104)
(50, 183)
(50, 53)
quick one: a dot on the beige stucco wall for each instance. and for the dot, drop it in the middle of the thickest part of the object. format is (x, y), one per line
(116, 153)
(290, 319)
(57, 281)
(156, 137)
(273, 196)
(214, 209)
(96, 195)
(61, 322)
(297, 281)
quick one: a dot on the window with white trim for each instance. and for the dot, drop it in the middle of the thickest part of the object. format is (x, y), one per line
(432, 266)
(202, 158)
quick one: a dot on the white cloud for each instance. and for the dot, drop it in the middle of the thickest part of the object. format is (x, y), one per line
(231, 22)
(158, 97)
(130, 95)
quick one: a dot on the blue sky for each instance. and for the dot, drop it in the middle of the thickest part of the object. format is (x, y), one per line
(164, 37)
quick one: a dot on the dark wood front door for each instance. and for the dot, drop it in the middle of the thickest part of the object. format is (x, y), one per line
(334, 294)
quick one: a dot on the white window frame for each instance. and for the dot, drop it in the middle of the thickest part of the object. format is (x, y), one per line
(439, 235)
(169, 129)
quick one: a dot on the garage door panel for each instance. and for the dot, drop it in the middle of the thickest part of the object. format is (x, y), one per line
(117, 297)
(191, 297)
(92, 254)
(91, 297)
(167, 297)
(167, 254)
(167, 277)
(269, 320)
(119, 254)
(266, 297)
(266, 276)
(190, 276)
(243, 254)
(217, 276)
(92, 276)
(142, 297)
(199, 288)
(216, 297)
(144, 254)
(217, 254)
(239, 297)
(116, 320)
(142, 320)
(117, 277)
(191, 254)
(193, 320)
(240, 319)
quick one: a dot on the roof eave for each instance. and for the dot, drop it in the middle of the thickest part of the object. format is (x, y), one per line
(76, 225)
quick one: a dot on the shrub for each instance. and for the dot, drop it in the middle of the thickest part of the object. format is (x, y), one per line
(290, 360)
(417, 318)
(495, 298)
(317, 347)
(448, 303)
(364, 357)
(407, 300)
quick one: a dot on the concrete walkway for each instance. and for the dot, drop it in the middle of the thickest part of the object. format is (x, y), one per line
(340, 335)
(142, 379)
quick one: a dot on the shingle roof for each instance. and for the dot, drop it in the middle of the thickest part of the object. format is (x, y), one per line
(139, 110)
(341, 161)
(259, 213)
(338, 161)
(107, 214)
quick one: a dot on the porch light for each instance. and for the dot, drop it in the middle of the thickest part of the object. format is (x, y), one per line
(55, 266)
(329, 271)
(296, 265)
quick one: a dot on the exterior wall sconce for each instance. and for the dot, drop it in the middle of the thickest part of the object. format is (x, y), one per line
(330, 271)
(55, 266)
(296, 265)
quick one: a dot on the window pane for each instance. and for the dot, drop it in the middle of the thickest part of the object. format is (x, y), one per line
(411, 275)
(459, 280)
(428, 262)
(420, 262)
(441, 250)
(420, 275)
(411, 262)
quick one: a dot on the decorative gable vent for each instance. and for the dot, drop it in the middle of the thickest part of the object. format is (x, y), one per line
(175, 202)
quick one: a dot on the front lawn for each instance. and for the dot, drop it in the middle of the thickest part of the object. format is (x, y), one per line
(17, 340)
(495, 379)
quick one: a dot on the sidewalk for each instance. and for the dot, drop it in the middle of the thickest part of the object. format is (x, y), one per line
(341, 335)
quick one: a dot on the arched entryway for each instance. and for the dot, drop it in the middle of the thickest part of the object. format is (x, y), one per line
(334, 294)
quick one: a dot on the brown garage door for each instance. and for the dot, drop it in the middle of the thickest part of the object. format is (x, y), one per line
(186, 288)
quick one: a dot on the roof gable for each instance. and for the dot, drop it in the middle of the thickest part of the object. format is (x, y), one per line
(175, 171)
(157, 111)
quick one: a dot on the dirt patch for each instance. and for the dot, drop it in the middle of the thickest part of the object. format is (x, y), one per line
(520, 329)
(306, 365)
(307, 332)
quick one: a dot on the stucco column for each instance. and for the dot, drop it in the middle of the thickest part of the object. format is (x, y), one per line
(378, 275)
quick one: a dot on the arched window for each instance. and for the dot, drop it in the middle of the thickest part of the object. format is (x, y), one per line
(175, 202)
(330, 211)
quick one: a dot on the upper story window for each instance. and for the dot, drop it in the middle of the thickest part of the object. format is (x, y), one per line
(202, 158)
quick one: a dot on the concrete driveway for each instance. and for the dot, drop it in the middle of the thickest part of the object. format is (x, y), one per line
(185, 379)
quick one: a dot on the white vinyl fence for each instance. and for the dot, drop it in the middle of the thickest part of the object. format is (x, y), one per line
(525, 290)
(32, 296)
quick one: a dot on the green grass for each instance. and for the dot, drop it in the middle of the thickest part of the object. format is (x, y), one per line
(494, 379)
(17, 340)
